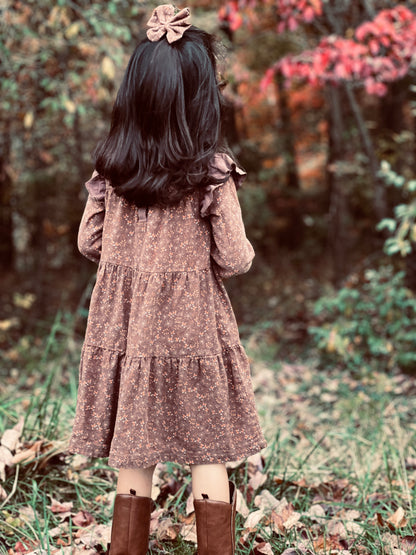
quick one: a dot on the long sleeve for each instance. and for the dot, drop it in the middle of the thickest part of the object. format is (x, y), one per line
(92, 222)
(231, 251)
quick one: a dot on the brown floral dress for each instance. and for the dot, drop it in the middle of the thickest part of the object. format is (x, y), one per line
(163, 375)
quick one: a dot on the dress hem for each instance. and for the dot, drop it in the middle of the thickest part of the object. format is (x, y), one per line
(161, 457)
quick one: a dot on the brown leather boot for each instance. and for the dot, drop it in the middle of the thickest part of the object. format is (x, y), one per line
(215, 525)
(131, 523)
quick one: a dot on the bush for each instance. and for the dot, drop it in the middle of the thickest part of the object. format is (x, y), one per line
(370, 326)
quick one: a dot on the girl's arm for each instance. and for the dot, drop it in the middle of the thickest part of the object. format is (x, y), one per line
(231, 251)
(91, 227)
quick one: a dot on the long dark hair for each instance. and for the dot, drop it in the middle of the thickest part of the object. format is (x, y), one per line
(166, 121)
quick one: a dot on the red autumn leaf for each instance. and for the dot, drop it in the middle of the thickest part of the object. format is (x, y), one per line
(308, 14)
(24, 547)
(62, 543)
(374, 46)
(57, 507)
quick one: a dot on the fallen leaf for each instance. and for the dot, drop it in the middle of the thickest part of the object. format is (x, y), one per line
(284, 518)
(335, 489)
(253, 519)
(97, 534)
(351, 514)
(28, 454)
(232, 465)
(167, 530)
(241, 505)
(155, 519)
(255, 463)
(267, 501)
(190, 504)
(410, 463)
(79, 462)
(106, 499)
(190, 519)
(188, 532)
(58, 507)
(3, 493)
(316, 513)
(257, 480)
(27, 514)
(10, 438)
(263, 548)
(327, 545)
(60, 530)
(397, 519)
(6, 459)
(63, 543)
(408, 543)
(337, 528)
(353, 528)
(83, 518)
(24, 546)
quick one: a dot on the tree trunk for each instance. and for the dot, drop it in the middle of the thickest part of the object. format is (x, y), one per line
(411, 258)
(293, 235)
(287, 136)
(338, 206)
(380, 204)
(6, 224)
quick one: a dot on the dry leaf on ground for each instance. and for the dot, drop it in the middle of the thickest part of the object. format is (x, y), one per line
(97, 534)
(167, 530)
(83, 518)
(10, 438)
(263, 549)
(397, 519)
(284, 518)
(188, 532)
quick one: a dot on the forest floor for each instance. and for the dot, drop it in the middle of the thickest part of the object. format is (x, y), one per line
(337, 478)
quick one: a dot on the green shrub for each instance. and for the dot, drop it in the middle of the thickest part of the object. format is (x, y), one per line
(370, 326)
(402, 227)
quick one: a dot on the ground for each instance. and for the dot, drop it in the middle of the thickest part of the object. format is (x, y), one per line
(337, 477)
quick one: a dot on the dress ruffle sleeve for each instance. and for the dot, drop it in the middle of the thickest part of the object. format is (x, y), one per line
(96, 186)
(231, 251)
(92, 222)
(222, 167)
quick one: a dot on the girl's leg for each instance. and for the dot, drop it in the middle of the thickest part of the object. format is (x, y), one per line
(212, 480)
(138, 479)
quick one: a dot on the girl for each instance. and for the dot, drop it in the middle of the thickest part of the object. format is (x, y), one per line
(163, 376)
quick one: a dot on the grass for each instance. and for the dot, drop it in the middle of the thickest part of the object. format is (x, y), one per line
(342, 452)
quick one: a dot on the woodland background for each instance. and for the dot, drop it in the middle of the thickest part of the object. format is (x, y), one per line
(322, 116)
(323, 112)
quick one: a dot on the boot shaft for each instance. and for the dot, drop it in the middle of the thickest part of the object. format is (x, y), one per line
(131, 523)
(215, 525)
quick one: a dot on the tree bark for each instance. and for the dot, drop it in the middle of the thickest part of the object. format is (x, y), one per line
(338, 206)
(6, 222)
(380, 205)
(287, 136)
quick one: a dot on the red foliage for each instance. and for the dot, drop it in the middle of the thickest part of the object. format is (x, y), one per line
(292, 13)
(383, 51)
(230, 13)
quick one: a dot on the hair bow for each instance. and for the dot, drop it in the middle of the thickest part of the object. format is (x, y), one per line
(165, 21)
